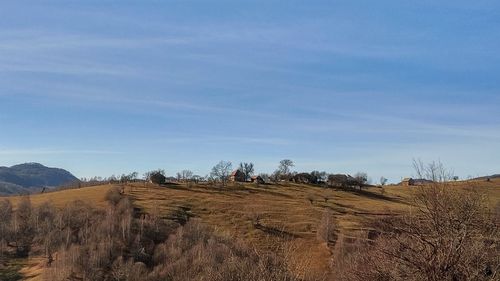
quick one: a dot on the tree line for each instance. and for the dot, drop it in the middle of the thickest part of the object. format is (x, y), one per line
(221, 174)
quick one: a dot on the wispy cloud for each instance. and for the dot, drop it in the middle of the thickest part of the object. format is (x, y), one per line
(41, 41)
(45, 151)
(220, 140)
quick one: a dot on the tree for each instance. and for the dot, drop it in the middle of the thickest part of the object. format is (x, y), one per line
(285, 168)
(361, 178)
(383, 181)
(247, 169)
(197, 178)
(275, 176)
(265, 177)
(124, 178)
(23, 227)
(185, 175)
(133, 176)
(112, 179)
(47, 232)
(320, 176)
(222, 171)
(5, 221)
(433, 171)
(449, 235)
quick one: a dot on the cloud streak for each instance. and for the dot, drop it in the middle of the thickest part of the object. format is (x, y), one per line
(49, 151)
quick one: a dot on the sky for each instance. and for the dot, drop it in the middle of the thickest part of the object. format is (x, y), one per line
(111, 87)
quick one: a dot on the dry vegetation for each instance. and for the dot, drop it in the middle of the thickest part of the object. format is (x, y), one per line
(274, 232)
(447, 235)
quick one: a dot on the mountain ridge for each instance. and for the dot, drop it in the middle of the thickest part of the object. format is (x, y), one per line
(26, 177)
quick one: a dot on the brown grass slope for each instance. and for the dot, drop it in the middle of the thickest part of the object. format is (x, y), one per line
(265, 216)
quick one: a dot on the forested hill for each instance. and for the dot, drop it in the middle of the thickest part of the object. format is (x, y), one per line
(24, 177)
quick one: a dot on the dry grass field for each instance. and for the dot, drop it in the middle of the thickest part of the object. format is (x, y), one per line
(280, 217)
(93, 194)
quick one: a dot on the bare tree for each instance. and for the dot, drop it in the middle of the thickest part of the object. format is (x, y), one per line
(265, 177)
(5, 221)
(23, 227)
(185, 175)
(449, 234)
(275, 176)
(320, 176)
(222, 171)
(361, 177)
(433, 171)
(133, 176)
(47, 232)
(285, 168)
(383, 181)
(247, 169)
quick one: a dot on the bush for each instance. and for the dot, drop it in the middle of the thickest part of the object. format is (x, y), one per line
(113, 196)
(450, 236)
(326, 228)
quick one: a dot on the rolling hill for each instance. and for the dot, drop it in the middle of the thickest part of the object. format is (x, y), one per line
(288, 214)
(29, 176)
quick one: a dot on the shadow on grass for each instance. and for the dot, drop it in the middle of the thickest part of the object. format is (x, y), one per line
(9, 272)
(372, 195)
(270, 192)
(181, 215)
(276, 232)
(231, 189)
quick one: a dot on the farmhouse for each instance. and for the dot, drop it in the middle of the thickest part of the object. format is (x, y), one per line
(407, 182)
(340, 180)
(237, 176)
(257, 179)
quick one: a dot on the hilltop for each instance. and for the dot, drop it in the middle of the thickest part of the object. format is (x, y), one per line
(24, 178)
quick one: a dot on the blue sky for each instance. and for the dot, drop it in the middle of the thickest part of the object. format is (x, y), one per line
(106, 87)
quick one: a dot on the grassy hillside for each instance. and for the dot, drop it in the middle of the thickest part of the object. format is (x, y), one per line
(93, 194)
(269, 217)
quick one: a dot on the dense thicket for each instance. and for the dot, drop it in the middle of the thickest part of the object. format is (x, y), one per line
(81, 242)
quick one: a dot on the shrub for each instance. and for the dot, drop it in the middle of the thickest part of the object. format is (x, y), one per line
(113, 195)
(450, 236)
(326, 227)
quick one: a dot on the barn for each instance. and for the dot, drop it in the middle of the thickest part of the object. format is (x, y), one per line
(237, 176)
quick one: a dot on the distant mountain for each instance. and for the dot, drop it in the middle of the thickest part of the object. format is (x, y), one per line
(25, 177)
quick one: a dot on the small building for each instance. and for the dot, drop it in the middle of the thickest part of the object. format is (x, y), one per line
(304, 178)
(408, 182)
(171, 179)
(237, 176)
(341, 180)
(257, 179)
